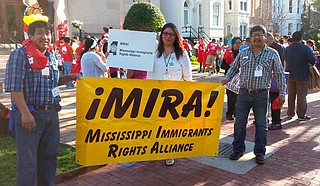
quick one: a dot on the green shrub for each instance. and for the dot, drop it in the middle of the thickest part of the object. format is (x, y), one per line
(144, 16)
(193, 58)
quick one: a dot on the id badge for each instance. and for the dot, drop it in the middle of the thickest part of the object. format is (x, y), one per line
(258, 72)
(45, 71)
(171, 63)
(166, 76)
(55, 67)
(55, 91)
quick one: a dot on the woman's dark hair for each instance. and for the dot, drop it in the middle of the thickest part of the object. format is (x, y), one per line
(38, 24)
(87, 45)
(178, 46)
(233, 41)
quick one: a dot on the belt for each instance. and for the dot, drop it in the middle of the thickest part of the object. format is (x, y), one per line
(46, 107)
(250, 91)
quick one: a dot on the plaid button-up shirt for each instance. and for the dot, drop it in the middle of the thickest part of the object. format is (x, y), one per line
(268, 60)
(36, 87)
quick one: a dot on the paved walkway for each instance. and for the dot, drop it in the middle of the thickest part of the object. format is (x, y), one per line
(296, 162)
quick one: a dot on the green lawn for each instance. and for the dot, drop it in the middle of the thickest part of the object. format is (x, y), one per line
(66, 160)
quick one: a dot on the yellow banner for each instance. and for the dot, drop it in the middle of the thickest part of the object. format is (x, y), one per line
(125, 120)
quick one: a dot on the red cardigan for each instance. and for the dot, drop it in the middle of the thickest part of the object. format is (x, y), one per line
(228, 56)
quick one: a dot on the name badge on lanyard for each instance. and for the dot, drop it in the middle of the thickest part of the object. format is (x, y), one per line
(258, 72)
(45, 71)
(55, 91)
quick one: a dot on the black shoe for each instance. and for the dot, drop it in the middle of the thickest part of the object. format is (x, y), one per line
(235, 155)
(260, 159)
(289, 117)
(230, 117)
(305, 118)
(274, 126)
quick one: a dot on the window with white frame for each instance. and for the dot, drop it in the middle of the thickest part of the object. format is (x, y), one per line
(243, 31)
(245, 8)
(200, 14)
(215, 14)
(243, 5)
(289, 28)
(260, 8)
(298, 7)
(290, 6)
(186, 13)
(230, 5)
(228, 29)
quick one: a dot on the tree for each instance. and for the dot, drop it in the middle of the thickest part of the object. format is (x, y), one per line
(144, 16)
(279, 15)
(316, 4)
(310, 21)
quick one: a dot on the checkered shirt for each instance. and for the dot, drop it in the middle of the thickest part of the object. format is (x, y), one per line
(36, 88)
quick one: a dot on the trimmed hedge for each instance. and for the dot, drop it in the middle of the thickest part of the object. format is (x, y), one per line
(144, 16)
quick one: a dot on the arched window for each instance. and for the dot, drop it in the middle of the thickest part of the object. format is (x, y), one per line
(199, 14)
(186, 13)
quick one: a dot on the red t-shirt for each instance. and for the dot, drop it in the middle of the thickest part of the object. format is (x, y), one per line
(186, 46)
(66, 52)
(80, 49)
(62, 30)
(212, 48)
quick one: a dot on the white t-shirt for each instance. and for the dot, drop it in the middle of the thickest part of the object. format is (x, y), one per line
(92, 65)
(178, 70)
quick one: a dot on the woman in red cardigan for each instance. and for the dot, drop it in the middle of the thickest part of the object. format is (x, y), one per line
(229, 56)
(202, 54)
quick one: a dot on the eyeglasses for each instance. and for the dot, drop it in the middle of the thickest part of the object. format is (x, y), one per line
(168, 34)
(259, 35)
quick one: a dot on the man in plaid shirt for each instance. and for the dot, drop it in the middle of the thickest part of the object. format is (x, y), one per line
(257, 64)
(32, 78)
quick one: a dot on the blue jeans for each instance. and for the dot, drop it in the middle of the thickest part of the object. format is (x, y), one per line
(37, 151)
(66, 70)
(259, 103)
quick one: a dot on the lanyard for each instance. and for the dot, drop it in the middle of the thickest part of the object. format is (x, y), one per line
(167, 59)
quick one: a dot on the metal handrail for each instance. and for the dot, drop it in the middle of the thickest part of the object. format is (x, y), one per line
(14, 41)
(203, 34)
(193, 33)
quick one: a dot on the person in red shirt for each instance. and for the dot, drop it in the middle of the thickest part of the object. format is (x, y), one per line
(67, 55)
(201, 54)
(62, 29)
(76, 68)
(187, 47)
(212, 49)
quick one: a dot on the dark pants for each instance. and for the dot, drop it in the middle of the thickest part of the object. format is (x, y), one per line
(218, 64)
(231, 100)
(275, 114)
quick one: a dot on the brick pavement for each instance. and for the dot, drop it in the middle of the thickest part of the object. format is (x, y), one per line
(295, 163)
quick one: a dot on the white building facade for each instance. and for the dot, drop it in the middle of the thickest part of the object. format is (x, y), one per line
(291, 11)
(237, 14)
(94, 14)
(202, 15)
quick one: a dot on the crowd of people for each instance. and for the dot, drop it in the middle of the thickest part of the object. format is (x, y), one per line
(33, 77)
